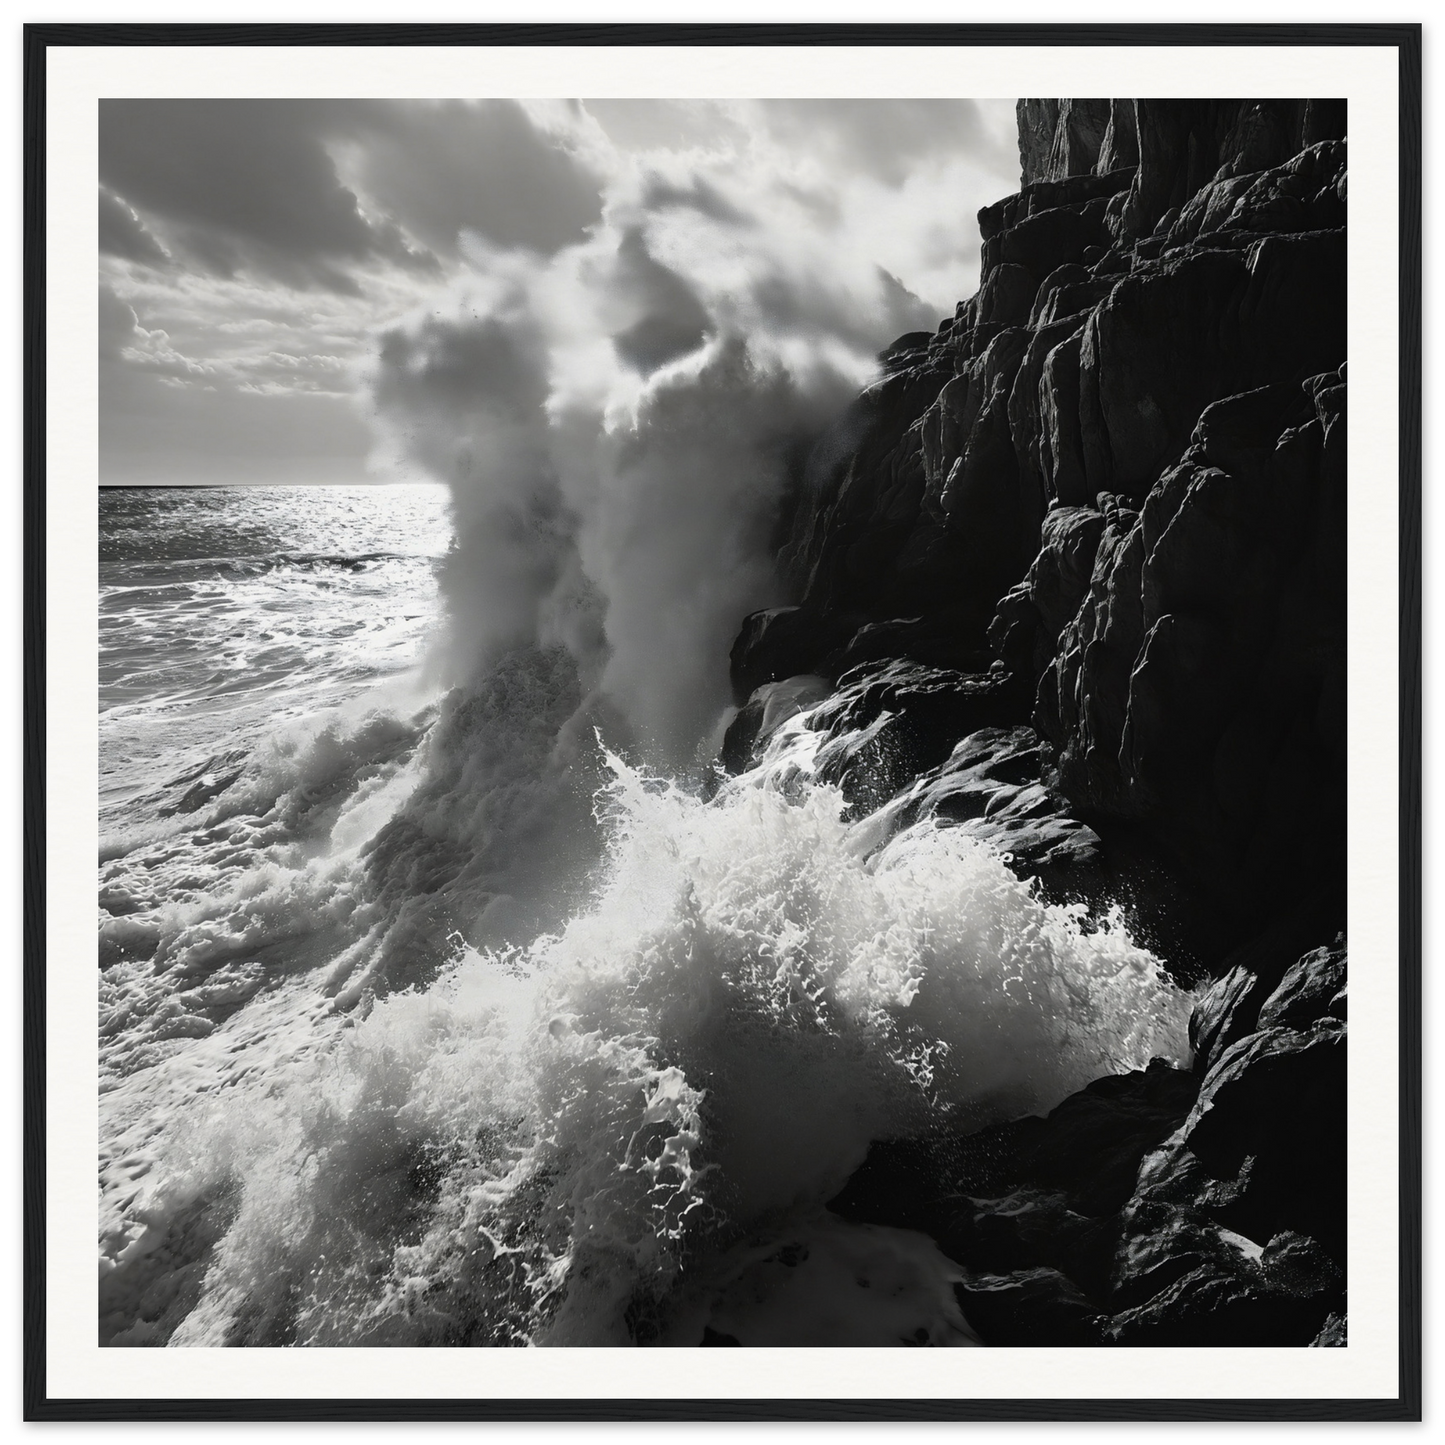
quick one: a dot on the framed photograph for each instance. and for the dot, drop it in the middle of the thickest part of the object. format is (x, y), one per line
(726, 687)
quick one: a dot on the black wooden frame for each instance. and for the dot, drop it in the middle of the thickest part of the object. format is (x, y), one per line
(32, 39)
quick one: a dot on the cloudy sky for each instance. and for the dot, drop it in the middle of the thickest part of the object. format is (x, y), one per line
(259, 259)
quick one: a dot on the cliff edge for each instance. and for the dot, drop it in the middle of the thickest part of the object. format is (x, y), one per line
(1071, 574)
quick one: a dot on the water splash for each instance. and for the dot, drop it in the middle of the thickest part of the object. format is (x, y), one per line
(558, 1143)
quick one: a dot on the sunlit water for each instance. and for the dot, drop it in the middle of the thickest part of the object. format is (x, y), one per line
(432, 1021)
(224, 610)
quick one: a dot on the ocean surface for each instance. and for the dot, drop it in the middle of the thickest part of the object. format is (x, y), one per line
(432, 1013)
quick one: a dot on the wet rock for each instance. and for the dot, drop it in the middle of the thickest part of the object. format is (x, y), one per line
(778, 643)
(1148, 1208)
(891, 721)
(764, 713)
(1213, 1305)
(1311, 991)
(1029, 1208)
(1035, 1228)
(1226, 1010)
(1236, 1230)
(1034, 831)
(1120, 469)
(1033, 1307)
(1271, 1116)
(938, 641)
(1091, 1145)
(992, 787)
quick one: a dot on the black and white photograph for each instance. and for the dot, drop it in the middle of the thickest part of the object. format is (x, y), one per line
(723, 723)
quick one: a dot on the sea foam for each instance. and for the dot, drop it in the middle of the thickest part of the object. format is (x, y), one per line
(592, 1139)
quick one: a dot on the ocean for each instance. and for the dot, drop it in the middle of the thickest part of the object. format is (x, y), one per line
(437, 1008)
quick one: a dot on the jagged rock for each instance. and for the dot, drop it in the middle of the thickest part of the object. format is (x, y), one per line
(862, 546)
(906, 352)
(1035, 1307)
(1199, 684)
(1239, 1305)
(1120, 145)
(986, 764)
(1226, 1011)
(938, 641)
(1241, 1213)
(1061, 137)
(1085, 1154)
(1214, 1287)
(889, 722)
(1090, 1146)
(1060, 575)
(1033, 829)
(1048, 195)
(1037, 122)
(1040, 456)
(1070, 290)
(778, 643)
(1271, 1115)
(997, 786)
(1029, 1207)
(764, 713)
(1194, 327)
(1025, 632)
(1125, 1214)
(1120, 466)
(1045, 240)
(1308, 992)
(1007, 297)
(1300, 195)
(1183, 145)
(1034, 1228)
(970, 467)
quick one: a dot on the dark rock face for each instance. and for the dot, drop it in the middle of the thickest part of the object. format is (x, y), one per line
(781, 642)
(1083, 365)
(765, 712)
(1199, 688)
(889, 722)
(1074, 568)
(1153, 1208)
(992, 786)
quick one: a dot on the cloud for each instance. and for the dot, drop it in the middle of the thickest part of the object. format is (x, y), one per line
(123, 234)
(671, 125)
(313, 193)
(118, 324)
(244, 184)
(885, 139)
(622, 322)
(444, 168)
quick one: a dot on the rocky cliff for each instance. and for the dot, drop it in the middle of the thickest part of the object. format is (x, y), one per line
(1071, 575)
